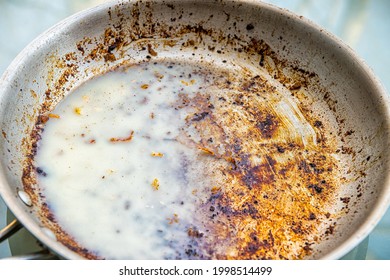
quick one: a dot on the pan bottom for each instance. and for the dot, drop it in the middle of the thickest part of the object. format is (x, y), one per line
(202, 161)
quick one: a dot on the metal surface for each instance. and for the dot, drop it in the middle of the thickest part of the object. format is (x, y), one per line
(9, 230)
(349, 84)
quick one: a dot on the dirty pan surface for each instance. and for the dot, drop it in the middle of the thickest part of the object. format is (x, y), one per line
(195, 136)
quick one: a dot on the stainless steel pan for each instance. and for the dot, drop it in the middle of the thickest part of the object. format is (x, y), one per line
(350, 105)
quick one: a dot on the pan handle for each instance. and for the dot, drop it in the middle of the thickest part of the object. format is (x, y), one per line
(10, 229)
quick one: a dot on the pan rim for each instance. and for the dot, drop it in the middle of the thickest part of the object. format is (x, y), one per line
(378, 90)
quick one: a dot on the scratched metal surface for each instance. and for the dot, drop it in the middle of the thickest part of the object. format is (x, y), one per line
(362, 24)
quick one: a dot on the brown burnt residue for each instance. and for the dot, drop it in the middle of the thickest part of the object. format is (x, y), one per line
(267, 124)
(275, 184)
(274, 191)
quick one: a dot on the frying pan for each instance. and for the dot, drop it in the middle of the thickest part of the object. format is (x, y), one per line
(348, 102)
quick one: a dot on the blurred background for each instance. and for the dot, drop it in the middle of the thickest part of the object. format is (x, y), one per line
(363, 24)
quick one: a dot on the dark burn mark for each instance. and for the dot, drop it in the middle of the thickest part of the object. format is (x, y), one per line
(349, 132)
(261, 62)
(271, 162)
(250, 26)
(239, 100)
(297, 228)
(312, 216)
(42, 119)
(80, 48)
(49, 214)
(198, 117)
(257, 176)
(72, 245)
(222, 206)
(41, 172)
(112, 47)
(308, 248)
(247, 86)
(254, 245)
(109, 57)
(317, 189)
(330, 230)
(251, 210)
(195, 233)
(310, 167)
(315, 168)
(267, 126)
(191, 252)
(318, 124)
(304, 166)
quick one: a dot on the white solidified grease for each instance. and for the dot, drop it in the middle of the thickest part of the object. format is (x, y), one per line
(101, 189)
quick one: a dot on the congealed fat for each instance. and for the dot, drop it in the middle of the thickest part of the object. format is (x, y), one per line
(113, 164)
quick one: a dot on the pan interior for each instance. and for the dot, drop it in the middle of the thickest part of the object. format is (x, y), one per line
(204, 161)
